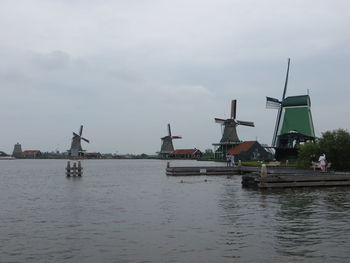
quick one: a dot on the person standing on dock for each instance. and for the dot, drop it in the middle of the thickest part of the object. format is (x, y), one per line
(322, 161)
(232, 160)
(228, 160)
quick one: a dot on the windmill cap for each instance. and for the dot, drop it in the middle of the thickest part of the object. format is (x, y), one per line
(302, 100)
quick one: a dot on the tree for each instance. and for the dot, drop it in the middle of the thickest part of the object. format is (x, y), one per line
(335, 144)
(307, 153)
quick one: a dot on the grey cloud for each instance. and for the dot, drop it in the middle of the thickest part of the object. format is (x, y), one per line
(121, 67)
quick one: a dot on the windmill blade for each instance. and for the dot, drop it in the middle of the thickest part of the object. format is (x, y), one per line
(176, 137)
(272, 103)
(76, 134)
(274, 139)
(286, 82)
(246, 123)
(81, 130)
(221, 121)
(233, 109)
(169, 130)
(85, 139)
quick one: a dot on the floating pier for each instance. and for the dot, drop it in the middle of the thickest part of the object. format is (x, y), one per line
(208, 170)
(74, 170)
(283, 178)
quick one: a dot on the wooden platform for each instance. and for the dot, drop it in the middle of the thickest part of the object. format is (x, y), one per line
(298, 178)
(208, 170)
(273, 177)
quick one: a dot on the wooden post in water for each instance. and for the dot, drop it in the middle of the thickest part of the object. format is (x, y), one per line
(80, 169)
(263, 172)
(75, 170)
(68, 169)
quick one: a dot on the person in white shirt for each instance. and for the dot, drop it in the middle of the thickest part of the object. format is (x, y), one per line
(322, 161)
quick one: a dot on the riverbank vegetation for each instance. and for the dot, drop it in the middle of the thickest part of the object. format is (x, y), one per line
(334, 144)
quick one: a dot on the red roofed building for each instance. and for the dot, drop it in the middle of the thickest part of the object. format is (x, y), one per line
(186, 153)
(249, 150)
(31, 154)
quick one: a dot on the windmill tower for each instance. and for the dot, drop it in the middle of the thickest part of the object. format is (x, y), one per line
(76, 149)
(294, 123)
(229, 135)
(167, 144)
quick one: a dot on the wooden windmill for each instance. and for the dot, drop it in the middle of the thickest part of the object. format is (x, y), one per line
(76, 149)
(167, 143)
(294, 123)
(229, 135)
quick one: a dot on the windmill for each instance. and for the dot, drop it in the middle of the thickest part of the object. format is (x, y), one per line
(294, 123)
(167, 143)
(76, 149)
(230, 132)
(229, 135)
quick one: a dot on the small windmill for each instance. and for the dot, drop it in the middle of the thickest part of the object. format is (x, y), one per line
(229, 134)
(294, 123)
(76, 149)
(167, 143)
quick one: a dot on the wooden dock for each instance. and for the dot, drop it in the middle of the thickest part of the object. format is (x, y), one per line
(295, 178)
(266, 177)
(209, 170)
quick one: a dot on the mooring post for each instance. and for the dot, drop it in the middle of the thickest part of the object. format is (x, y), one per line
(80, 172)
(240, 166)
(167, 164)
(74, 169)
(263, 172)
(68, 169)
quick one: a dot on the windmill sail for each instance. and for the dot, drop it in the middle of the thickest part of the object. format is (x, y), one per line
(233, 109)
(272, 103)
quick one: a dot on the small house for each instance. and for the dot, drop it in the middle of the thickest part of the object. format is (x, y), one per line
(249, 151)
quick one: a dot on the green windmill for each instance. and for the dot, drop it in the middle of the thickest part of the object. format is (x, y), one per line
(294, 124)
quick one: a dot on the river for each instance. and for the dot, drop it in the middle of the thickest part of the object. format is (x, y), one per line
(130, 211)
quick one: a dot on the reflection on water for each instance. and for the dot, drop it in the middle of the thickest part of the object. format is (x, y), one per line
(129, 211)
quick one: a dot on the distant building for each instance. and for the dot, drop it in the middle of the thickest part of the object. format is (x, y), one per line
(17, 150)
(249, 151)
(186, 153)
(31, 154)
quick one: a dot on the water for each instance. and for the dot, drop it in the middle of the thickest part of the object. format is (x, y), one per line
(130, 211)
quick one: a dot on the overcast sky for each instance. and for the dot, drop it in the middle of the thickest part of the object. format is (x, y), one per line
(124, 69)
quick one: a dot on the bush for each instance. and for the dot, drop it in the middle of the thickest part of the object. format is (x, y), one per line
(335, 144)
(308, 152)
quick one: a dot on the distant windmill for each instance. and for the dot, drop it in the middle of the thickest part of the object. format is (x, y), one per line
(76, 149)
(294, 123)
(167, 143)
(230, 133)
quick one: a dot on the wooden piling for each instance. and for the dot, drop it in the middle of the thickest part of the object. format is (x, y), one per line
(68, 169)
(80, 169)
(263, 172)
(75, 170)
